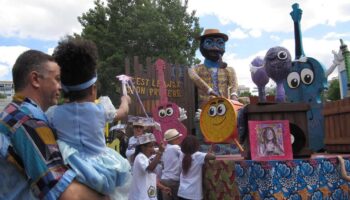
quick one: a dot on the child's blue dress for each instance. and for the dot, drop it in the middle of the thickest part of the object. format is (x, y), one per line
(80, 132)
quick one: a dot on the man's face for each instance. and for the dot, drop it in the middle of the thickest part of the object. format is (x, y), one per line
(50, 84)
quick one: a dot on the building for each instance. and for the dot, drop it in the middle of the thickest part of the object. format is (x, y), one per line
(6, 91)
(242, 89)
(6, 88)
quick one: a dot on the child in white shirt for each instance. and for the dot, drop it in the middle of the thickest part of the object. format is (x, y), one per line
(144, 179)
(191, 174)
(171, 165)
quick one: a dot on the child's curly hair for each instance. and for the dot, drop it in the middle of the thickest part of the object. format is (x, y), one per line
(77, 58)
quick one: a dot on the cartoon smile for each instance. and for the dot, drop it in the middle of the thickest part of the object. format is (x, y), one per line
(222, 121)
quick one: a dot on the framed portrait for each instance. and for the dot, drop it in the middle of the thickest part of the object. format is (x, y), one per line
(270, 140)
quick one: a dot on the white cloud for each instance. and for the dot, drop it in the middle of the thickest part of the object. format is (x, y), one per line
(275, 37)
(334, 35)
(255, 33)
(272, 15)
(237, 34)
(41, 19)
(8, 56)
(4, 71)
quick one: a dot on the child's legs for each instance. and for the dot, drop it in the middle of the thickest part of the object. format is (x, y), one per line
(174, 186)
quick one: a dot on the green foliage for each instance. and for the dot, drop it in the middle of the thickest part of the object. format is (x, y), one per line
(245, 94)
(3, 96)
(333, 92)
(145, 28)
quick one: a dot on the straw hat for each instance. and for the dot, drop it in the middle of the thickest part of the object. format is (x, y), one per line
(213, 32)
(171, 134)
(138, 123)
(145, 138)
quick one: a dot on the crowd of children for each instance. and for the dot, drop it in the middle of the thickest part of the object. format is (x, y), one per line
(166, 172)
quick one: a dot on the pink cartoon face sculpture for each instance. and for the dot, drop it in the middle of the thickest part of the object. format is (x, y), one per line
(166, 113)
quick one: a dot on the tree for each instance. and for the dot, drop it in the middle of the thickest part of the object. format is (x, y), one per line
(333, 92)
(245, 94)
(144, 28)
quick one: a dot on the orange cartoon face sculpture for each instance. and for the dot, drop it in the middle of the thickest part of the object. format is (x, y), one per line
(218, 120)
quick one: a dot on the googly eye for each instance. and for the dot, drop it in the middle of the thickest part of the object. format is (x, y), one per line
(161, 113)
(169, 111)
(307, 76)
(282, 55)
(293, 80)
(221, 109)
(212, 111)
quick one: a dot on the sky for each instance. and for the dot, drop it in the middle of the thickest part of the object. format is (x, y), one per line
(253, 26)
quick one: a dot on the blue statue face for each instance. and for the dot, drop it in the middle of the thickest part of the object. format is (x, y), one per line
(305, 81)
(212, 48)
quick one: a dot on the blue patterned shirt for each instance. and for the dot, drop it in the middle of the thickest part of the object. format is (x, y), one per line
(29, 154)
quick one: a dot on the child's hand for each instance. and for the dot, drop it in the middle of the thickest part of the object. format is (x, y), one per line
(167, 191)
(161, 147)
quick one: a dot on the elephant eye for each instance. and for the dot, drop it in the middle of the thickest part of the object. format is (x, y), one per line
(293, 80)
(307, 76)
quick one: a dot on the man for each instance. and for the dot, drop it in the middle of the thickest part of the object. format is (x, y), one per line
(31, 164)
(214, 77)
(138, 129)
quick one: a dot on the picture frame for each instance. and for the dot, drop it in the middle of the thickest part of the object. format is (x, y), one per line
(270, 140)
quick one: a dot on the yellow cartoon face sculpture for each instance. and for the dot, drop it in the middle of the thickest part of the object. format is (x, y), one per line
(218, 120)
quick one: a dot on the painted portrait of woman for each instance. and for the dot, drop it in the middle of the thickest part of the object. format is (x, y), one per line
(270, 143)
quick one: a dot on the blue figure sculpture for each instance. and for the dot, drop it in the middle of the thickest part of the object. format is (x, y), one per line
(259, 76)
(305, 83)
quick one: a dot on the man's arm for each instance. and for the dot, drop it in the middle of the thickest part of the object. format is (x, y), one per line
(232, 83)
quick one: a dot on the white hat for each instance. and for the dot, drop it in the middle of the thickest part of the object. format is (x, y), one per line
(145, 138)
(171, 134)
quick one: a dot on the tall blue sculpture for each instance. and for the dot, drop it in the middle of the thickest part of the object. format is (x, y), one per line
(305, 83)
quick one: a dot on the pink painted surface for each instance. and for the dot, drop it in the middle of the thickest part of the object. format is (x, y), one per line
(166, 113)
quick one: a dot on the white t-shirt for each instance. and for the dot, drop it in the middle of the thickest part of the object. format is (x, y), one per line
(131, 147)
(144, 183)
(171, 162)
(191, 183)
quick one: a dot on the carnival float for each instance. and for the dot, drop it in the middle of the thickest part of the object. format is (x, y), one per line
(286, 148)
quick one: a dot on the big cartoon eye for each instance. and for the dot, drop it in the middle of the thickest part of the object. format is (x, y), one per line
(169, 111)
(293, 80)
(161, 113)
(282, 55)
(212, 111)
(221, 109)
(307, 76)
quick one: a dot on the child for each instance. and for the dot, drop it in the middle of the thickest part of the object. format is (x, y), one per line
(343, 172)
(192, 163)
(171, 165)
(144, 179)
(80, 122)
